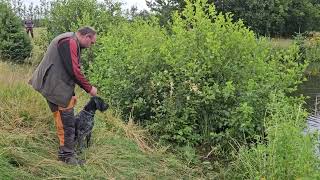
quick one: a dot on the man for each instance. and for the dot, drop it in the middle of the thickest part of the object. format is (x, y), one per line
(28, 24)
(55, 79)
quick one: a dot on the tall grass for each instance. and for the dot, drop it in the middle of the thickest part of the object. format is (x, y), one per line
(281, 42)
(28, 141)
(286, 152)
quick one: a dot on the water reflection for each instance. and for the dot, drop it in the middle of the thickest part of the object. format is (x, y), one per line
(311, 89)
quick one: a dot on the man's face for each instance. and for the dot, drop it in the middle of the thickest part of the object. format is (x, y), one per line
(88, 40)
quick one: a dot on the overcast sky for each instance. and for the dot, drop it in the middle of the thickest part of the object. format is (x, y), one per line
(141, 4)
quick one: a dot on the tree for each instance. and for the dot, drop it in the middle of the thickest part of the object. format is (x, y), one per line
(164, 8)
(15, 45)
(303, 15)
(265, 17)
(134, 13)
(81, 12)
(36, 15)
(30, 11)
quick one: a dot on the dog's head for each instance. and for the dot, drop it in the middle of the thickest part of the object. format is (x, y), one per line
(96, 103)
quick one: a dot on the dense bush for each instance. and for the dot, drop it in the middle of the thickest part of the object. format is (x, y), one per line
(286, 152)
(15, 44)
(99, 15)
(313, 48)
(309, 47)
(81, 13)
(207, 80)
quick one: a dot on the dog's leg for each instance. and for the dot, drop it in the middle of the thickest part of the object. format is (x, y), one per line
(77, 128)
(77, 133)
(80, 142)
(88, 140)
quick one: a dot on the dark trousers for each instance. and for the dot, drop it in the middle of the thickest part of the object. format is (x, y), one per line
(65, 125)
(29, 30)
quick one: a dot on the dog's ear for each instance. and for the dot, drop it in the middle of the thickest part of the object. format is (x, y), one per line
(100, 104)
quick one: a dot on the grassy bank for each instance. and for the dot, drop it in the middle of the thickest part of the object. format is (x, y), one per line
(281, 42)
(28, 141)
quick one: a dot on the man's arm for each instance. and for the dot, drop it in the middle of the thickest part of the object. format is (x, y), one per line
(67, 49)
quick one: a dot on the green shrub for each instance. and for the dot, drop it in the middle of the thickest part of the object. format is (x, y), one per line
(286, 152)
(313, 50)
(15, 44)
(309, 48)
(81, 13)
(99, 15)
(207, 80)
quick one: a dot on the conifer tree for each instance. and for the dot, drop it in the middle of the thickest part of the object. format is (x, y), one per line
(15, 45)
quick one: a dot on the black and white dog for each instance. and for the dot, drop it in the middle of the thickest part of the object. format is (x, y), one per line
(85, 121)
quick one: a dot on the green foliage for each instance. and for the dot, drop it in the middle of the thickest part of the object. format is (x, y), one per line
(165, 8)
(81, 13)
(309, 47)
(15, 44)
(265, 17)
(313, 48)
(207, 81)
(286, 152)
(29, 143)
(99, 15)
(281, 18)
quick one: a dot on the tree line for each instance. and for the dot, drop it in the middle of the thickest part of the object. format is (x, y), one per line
(265, 17)
(36, 12)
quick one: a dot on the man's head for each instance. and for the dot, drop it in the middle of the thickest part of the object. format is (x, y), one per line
(86, 36)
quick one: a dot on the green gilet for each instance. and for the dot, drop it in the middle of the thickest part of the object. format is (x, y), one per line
(51, 78)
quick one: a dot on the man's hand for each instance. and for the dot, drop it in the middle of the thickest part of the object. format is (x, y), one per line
(93, 91)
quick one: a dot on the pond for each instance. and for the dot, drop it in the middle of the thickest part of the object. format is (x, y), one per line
(310, 89)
